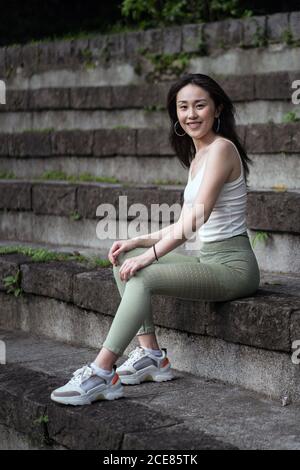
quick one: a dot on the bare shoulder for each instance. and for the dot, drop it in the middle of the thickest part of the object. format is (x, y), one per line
(224, 152)
(225, 147)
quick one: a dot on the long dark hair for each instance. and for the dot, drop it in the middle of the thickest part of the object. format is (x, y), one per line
(184, 146)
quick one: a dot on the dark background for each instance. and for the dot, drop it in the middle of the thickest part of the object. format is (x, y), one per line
(33, 20)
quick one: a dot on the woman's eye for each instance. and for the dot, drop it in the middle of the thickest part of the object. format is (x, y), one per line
(199, 106)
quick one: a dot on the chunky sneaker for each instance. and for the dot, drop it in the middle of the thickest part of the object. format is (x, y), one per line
(142, 366)
(85, 387)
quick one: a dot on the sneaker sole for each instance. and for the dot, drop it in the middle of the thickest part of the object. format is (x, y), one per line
(136, 379)
(88, 400)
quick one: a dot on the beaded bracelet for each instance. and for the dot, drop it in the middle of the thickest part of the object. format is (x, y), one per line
(155, 252)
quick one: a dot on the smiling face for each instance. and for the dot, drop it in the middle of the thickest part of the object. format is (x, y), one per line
(196, 112)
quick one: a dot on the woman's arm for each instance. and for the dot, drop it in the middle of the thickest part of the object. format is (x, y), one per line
(217, 171)
(151, 238)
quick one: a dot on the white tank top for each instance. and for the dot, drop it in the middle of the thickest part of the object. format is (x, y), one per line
(228, 217)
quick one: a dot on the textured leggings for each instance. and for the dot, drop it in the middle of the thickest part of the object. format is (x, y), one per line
(219, 271)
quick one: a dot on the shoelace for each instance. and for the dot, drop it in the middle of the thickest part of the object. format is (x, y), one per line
(137, 353)
(81, 374)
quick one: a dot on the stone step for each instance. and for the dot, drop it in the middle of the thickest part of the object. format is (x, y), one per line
(108, 106)
(241, 46)
(36, 365)
(237, 61)
(126, 153)
(269, 170)
(65, 213)
(257, 138)
(247, 342)
(246, 113)
(272, 86)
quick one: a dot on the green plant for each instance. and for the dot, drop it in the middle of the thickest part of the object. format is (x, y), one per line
(287, 37)
(60, 175)
(154, 107)
(104, 263)
(7, 175)
(75, 215)
(259, 38)
(46, 129)
(42, 419)
(42, 255)
(259, 237)
(13, 284)
(167, 182)
(157, 13)
(88, 58)
(290, 117)
(168, 63)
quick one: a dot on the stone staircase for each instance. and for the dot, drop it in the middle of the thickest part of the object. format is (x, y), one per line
(97, 106)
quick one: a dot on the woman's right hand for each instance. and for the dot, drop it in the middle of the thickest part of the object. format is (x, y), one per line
(118, 247)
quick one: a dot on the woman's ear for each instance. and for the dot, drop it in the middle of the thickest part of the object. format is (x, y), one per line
(220, 108)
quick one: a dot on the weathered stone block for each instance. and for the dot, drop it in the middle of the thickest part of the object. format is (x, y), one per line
(15, 195)
(277, 24)
(133, 96)
(72, 142)
(49, 98)
(259, 138)
(133, 45)
(295, 24)
(91, 97)
(191, 37)
(89, 197)
(10, 265)
(153, 142)
(254, 30)
(274, 86)
(273, 211)
(258, 322)
(172, 40)
(32, 144)
(238, 88)
(16, 100)
(114, 142)
(152, 40)
(4, 144)
(54, 198)
(91, 289)
(31, 58)
(51, 279)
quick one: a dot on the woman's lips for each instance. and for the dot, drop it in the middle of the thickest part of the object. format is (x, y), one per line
(194, 124)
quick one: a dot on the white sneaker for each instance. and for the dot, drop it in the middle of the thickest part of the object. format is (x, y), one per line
(142, 366)
(85, 387)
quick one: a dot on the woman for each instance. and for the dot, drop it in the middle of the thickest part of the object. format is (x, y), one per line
(204, 138)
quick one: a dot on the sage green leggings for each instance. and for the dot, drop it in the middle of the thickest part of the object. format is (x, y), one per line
(219, 271)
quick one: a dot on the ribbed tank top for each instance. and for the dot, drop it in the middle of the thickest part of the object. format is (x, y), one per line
(228, 217)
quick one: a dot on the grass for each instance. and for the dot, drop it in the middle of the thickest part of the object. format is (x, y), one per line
(290, 117)
(42, 255)
(62, 176)
(259, 237)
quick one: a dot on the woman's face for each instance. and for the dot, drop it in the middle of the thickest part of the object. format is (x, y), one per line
(196, 111)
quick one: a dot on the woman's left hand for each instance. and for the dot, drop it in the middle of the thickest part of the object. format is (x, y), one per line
(131, 265)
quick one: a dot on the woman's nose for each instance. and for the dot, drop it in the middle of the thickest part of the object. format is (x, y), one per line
(192, 113)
